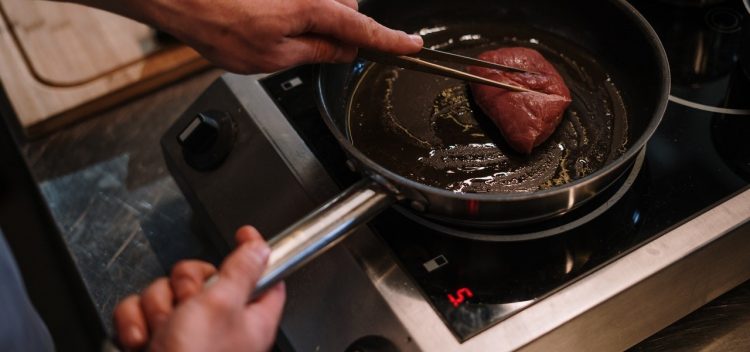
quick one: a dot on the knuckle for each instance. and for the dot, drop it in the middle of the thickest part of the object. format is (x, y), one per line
(246, 261)
(150, 289)
(156, 293)
(217, 300)
(125, 304)
(346, 54)
(336, 54)
(370, 24)
(319, 52)
(182, 269)
(372, 30)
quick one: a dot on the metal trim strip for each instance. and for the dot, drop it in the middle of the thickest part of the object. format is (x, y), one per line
(685, 259)
(670, 277)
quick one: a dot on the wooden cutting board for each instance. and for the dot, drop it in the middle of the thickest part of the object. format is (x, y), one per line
(60, 61)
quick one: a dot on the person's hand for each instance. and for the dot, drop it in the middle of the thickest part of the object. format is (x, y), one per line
(180, 314)
(250, 36)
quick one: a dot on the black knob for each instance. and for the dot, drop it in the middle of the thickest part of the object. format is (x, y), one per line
(207, 139)
(201, 134)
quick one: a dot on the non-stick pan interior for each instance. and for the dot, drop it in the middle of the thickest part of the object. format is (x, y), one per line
(427, 128)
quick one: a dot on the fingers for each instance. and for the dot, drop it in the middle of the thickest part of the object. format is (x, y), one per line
(157, 301)
(310, 49)
(265, 312)
(188, 277)
(130, 323)
(247, 233)
(242, 268)
(353, 28)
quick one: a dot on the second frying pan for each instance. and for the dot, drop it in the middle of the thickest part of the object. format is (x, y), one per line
(419, 141)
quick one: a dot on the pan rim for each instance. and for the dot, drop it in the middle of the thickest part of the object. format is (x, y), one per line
(661, 57)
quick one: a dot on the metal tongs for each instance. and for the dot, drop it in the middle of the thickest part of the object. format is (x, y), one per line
(418, 62)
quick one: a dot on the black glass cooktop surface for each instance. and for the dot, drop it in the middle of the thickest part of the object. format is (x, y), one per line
(695, 159)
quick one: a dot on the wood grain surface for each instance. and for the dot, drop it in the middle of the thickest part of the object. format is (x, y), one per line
(63, 61)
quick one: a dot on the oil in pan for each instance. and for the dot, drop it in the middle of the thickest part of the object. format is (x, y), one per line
(428, 129)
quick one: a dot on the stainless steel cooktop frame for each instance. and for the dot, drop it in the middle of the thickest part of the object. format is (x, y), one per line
(612, 308)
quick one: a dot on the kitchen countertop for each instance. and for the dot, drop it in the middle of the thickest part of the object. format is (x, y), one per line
(126, 223)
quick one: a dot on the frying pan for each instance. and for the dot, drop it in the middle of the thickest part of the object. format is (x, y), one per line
(399, 128)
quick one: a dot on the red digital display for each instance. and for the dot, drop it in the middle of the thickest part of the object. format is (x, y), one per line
(472, 206)
(460, 297)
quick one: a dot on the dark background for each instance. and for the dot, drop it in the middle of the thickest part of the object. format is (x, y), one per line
(52, 282)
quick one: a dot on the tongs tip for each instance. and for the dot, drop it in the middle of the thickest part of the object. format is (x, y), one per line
(432, 54)
(418, 62)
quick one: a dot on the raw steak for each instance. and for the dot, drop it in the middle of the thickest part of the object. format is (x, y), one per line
(525, 119)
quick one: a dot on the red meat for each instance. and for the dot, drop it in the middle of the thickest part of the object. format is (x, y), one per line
(526, 119)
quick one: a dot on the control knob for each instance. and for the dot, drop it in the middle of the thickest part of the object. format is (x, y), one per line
(207, 139)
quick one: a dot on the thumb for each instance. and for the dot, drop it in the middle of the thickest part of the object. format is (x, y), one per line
(353, 28)
(243, 267)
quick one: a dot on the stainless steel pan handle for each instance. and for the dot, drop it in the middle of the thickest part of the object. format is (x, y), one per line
(321, 229)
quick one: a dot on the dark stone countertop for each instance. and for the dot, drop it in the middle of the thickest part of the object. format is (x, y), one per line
(125, 221)
(122, 217)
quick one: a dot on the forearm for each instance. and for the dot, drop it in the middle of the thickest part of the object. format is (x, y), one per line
(250, 36)
(139, 10)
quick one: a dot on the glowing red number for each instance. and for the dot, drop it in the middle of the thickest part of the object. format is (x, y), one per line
(461, 295)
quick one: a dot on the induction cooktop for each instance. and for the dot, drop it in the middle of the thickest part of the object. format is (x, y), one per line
(683, 203)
